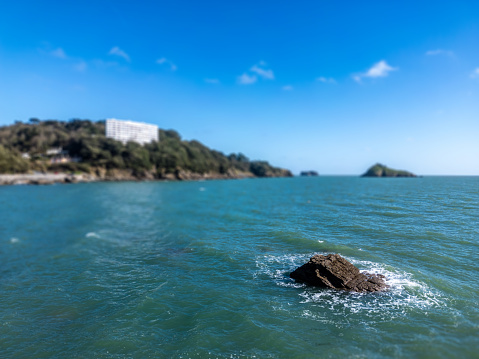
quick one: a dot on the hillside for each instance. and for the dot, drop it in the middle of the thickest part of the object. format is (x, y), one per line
(80, 146)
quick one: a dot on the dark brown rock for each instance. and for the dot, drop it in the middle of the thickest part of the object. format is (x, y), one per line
(333, 271)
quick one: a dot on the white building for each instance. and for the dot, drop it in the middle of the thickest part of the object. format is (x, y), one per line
(124, 131)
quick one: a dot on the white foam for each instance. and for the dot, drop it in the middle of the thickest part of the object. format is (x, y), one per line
(202, 189)
(92, 235)
(275, 268)
(14, 240)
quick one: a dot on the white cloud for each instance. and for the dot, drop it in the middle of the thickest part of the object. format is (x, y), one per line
(212, 81)
(287, 88)
(475, 73)
(257, 71)
(264, 73)
(439, 52)
(246, 79)
(379, 69)
(119, 52)
(59, 53)
(164, 60)
(326, 80)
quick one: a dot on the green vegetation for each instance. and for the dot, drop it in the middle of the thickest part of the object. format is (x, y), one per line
(11, 162)
(379, 170)
(24, 146)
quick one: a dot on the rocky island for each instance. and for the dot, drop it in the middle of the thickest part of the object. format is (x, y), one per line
(309, 174)
(333, 271)
(379, 170)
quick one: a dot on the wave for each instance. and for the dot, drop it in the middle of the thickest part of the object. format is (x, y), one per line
(92, 235)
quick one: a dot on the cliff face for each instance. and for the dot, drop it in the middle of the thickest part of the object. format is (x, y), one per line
(379, 170)
(180, 175)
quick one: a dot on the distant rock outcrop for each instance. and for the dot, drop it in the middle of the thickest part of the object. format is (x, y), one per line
(379, 170)
(309, 173)
(333, 271)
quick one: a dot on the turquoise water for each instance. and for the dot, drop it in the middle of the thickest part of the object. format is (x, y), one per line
(200, 269)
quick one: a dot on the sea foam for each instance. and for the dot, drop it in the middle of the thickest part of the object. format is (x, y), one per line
(92, 235)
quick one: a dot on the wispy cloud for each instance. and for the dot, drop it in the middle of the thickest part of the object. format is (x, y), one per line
(259, 70)
(264, 73)
(47, 49)
(246, 79)
(59, 53)
(287, 88)
(81, 66)
(439, 52)
(379, 69)
(119, 52)
(75, 63)
(475, 73)
(164, 60)
(101, 64)
(212, 81)
(326, 80)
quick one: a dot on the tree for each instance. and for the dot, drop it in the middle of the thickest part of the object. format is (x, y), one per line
(11, 162)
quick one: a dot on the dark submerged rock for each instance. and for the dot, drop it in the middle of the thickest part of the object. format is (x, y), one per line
(333, 271)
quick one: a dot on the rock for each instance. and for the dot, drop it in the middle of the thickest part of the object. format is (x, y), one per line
(379, 170)
(309, 173)
(333, 271)
(70, 179)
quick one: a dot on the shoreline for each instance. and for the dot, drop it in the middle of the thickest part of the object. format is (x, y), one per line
(44, 178)
(55, 178)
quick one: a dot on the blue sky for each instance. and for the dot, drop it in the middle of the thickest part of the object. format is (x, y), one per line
(324, 85)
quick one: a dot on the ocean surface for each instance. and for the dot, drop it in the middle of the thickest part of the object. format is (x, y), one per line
(201, 269)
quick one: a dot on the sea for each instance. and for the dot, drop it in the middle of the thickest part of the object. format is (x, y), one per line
(201, 269)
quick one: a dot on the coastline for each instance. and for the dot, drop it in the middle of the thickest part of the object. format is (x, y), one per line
(44, 178)
(115, 176)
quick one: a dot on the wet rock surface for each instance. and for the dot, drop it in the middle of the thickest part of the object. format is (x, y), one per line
(333, 271)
